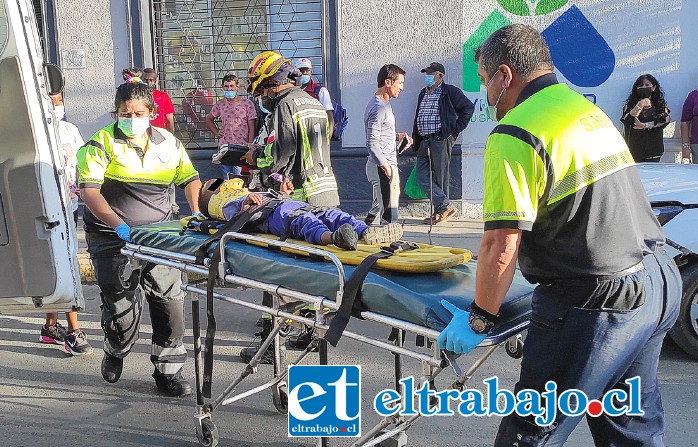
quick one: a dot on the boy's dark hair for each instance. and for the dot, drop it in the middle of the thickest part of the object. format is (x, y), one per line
(203, 202)
(133, 90)
(208, 189)
(389, 71)
(229, 78)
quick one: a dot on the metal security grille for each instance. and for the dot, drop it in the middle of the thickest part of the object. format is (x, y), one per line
(197, 42)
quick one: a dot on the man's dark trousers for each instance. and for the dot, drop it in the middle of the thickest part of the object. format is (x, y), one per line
(595, 348)
(436, 185)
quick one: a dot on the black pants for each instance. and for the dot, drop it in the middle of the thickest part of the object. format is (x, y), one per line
(122, 306)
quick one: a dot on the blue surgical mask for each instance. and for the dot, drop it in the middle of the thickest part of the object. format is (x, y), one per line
(260, 102)
(230, 94)
(490, 110)
(429, 80)
(305, 79)
(134, 127)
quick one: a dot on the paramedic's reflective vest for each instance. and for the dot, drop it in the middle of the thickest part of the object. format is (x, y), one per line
(134, 183)
(298, 146)
(557, 168)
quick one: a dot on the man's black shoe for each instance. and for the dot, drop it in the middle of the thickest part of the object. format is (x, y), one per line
(111, 368)
(177, 386)
(248, 353)
(300, 342)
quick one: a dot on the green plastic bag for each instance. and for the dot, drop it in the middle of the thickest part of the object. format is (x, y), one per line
(412, 188)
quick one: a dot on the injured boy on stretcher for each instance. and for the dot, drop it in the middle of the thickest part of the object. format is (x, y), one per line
(287, 218)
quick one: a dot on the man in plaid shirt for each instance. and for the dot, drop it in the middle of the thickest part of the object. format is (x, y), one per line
(443, 111)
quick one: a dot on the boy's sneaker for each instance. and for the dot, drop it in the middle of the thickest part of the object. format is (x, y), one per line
(76, 343)
(382, 234)
(345, 237)
(54, 334)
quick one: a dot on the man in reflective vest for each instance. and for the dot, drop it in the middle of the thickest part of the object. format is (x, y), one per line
(562, 193)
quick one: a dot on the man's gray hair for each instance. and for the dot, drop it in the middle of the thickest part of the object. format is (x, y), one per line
(521, 47)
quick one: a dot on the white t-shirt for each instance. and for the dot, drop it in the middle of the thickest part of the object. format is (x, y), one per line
(324, 97)
(71, 141)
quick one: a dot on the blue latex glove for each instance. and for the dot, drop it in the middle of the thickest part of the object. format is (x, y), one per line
(199, 216)
(123, 231)
(458, 336)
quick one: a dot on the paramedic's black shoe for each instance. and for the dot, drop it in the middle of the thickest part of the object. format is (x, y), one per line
(177, 386)
(248, 353)
(300, 342)
(111, 368)
(345, 237)
(382, 234)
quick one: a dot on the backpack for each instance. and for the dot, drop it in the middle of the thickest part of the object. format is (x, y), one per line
(340, 115)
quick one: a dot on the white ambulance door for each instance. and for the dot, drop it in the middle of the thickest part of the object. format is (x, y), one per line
(38, 251)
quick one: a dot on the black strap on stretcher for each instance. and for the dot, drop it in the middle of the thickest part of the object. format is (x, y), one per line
(351, 300)
(234, 224)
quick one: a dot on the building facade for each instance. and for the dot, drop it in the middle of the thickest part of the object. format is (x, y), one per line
(599, 48)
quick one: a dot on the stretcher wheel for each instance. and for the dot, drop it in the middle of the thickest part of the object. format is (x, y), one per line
(514, 346)
(207, 432)
(280, 398)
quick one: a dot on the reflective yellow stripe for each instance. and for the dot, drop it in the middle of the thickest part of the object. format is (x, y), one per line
(104, 157)
(575, 181)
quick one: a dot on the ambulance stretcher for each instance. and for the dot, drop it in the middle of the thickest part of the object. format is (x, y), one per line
(404, 302)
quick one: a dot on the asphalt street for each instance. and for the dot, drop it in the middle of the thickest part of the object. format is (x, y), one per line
(50, 398)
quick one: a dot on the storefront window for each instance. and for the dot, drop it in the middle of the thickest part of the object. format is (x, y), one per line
(197, 43)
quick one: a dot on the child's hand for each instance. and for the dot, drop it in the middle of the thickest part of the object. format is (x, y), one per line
(253, 199)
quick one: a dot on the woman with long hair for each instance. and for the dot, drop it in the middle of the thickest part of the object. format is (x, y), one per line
(645, 114)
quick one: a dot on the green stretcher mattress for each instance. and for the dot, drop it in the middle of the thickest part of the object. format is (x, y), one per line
(415, 298)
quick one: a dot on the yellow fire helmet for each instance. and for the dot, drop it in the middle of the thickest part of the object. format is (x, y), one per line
(229, 190)
(264, 66)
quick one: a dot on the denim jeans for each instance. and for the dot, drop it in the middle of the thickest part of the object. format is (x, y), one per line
(433, 170)
(595, 349)
(227, 171)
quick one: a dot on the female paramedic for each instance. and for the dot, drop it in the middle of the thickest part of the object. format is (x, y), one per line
(125, 171)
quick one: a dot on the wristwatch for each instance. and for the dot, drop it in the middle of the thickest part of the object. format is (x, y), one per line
(481, 321)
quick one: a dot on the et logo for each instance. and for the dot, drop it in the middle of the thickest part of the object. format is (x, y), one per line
(324, 401)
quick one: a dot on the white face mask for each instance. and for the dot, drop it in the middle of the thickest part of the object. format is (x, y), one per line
(59, 111)
(134, 127)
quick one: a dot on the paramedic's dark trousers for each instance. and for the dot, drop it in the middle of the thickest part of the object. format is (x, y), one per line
(595, 350)
(435, 185)
(122, 308)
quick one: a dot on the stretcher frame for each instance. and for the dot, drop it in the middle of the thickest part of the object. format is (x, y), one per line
(390, 431)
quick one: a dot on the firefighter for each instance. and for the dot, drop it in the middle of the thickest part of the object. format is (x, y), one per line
(298, 144)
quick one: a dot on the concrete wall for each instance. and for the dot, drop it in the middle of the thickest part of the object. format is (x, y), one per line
(599, 49)
(99, 29)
